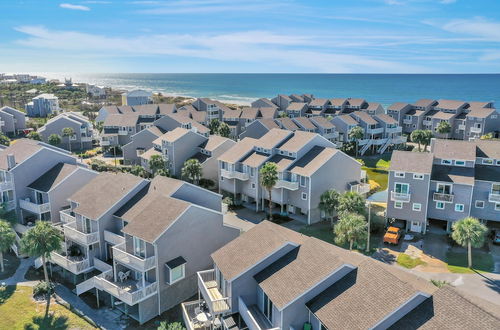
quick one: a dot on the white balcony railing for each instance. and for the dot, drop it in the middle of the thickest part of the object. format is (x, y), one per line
(287, 184)
(494, 197)
(71, 232)
(440, 197)
(105, 143)
(113, 238)
(379, 142)
(476, 130)
(362, 142)
(86, 139)
(397, 129)
(130, 260)
(407, 121)
(461, 127)
(234, 175)
(122, 132)
(105, 282)
(360, 188)
(74, 266)
(399, 139)
(427, 122)
(10, 205)
(377, 130)
(207, 284)
(66, 216)
(400, 197)
(27, 205)
(6, 185)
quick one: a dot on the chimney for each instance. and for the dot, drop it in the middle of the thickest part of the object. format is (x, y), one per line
(11, 161)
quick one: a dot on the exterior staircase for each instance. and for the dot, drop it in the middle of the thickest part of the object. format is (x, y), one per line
(366, 147)
(384, 147)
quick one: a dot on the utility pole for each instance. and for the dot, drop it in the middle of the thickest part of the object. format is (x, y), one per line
(369, 220)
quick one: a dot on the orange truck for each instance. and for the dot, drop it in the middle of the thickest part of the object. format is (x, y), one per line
(392, 235)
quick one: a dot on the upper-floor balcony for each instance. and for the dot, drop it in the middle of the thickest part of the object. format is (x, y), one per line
(123, 132)
(494, 197)
(461, 127)
(129, 291)
(427, 122)
(476, 130)
(72, 232)
(10, 205)
(400, 197)
(376, 130)
(442, 197)
(86, 138)
(331, 135)
(362, 142)
(36, 208)
(67, 216)
(140, 264)
(287, 184)
(379, 142)
(399, 139)
(253, 317)
(6, 185)
(105, 143)
(209, 288)
(407, 121)
(75, 265)
(390, 130)
(234, 174)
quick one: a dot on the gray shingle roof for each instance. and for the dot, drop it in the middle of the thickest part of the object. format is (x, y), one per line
(414, 162)
(53, 177)
(454, 149)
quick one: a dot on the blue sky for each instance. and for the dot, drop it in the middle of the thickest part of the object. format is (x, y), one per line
(338, 36)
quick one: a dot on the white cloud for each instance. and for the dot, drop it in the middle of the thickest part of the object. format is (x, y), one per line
(74, 7)
(271, 49)
(478, 27)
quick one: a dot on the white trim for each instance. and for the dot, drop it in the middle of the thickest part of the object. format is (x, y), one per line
(475, 204)
(415, 176)
(463, 207)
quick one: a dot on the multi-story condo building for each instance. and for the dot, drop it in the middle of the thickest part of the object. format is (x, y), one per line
(83, 128)
(468, 120)
(48, 194)
(155, 236)
(118, 129)
(137, 97)
(22, 163)
(282, 102)
(296, 109)
(95, 91)
(151, 111)
(43, 105)
(12, 121)
(140, 143)
(455, 180)
(181, 144)
(307, 166)
(263, 103)
(293, 281)
(238, 120)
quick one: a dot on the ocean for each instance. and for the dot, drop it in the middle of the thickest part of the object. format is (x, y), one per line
(244, 88)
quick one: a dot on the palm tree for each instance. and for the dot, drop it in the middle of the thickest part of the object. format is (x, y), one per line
(469, 232)
(417, 136)
(163, 172)
(351, 202)
(214, 126)
(328, 202)
(268, 179)
(54, 139)
(4, 140)
(34, 136)
(40, 241)
(156, 162)
(427, 137)
(138, 170)
(7, 238)
(68, 132)
(192, 170)
(443, 127)
(351, 228)
(356, 133)
(224, 130)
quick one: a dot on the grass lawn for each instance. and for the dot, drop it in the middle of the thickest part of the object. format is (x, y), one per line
(481, 262)
(376, 168)
(10, 262)
(408, 262)
(19, 311)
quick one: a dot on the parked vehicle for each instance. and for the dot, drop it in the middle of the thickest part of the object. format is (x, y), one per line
(392, 235)
(496, 236)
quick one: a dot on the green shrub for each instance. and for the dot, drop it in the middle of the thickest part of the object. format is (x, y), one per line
(171, 326)
(43, 288)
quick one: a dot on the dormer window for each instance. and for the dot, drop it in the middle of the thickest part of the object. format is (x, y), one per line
(175, 270)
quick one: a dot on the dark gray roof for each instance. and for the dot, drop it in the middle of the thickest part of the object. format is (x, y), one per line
(446, 173)
(176, 262)
(414, 162)
(447, 309)
(53, 177)
(488, 173)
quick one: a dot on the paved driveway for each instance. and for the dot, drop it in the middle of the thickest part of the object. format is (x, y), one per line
(243, 218)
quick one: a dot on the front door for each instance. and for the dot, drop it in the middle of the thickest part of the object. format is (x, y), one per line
(416, 226)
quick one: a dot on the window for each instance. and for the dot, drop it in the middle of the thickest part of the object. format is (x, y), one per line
(446, 161)
(252, 171)
(268, 308)
(497, 206)
(479, 204)
(495, 188)
(399, 174)
(398, 205)
(459, 207)
(498, 161)
(139, 247)
(417, 207)
(417, 176)
(401, 188)
(302, 181)
(176, 270)
(253, 185)
(304, 196)
(487, 161)
(460, 162)
(443, 188)
(86, 225)
(440, 205)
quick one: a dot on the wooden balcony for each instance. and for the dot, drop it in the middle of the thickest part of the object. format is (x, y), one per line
(400, 197)
(207, 284)
(27, 205)
(441, 197)
(71, 232)
(140, 264)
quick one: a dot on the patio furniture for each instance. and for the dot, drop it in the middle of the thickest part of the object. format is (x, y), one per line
(122, 276)
(202, 317)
